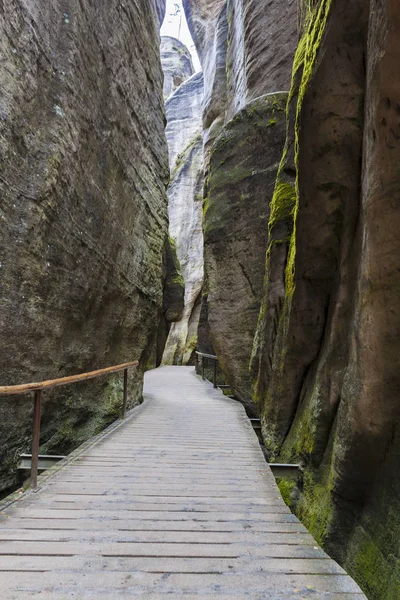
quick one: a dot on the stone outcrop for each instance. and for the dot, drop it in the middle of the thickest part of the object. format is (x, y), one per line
(183, 110)
(246, 50)
(176, 62)
(173, 296)
(174, 285)
(184, 113)
(207, 21)
(244, 134)
(242, 172)
(262, 37)
(325, 360)
(185, 211)
(83, 208)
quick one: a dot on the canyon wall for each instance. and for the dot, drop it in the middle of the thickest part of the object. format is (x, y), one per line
(316, 352)
(177, 64)
(243, 164)
(244, 133)
(326, 363)
(185, 146)
(83, 207)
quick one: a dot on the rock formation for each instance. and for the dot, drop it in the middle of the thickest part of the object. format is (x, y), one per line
(84, 209)
(184, 125)
(324, 362)
(244, 134)
(243, 165)
(176, 62)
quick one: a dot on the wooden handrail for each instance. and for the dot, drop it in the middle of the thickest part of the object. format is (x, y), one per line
(9, 390)
(37, 388)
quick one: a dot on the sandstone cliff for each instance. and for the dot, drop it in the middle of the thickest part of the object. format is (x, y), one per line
(326, 366)
(184, 125)
(84, 210)
(244, 133)
(243, 165)
(176, 63)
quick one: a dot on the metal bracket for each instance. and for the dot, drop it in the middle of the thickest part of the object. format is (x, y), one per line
(44, 462)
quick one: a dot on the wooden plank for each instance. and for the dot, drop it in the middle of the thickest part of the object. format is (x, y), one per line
(173, 565)
(125, 525)
(115, 514)
(89, 535)
(135, 549)
(136, 583)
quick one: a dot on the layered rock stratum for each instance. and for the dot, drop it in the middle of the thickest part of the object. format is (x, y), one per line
(83, 207)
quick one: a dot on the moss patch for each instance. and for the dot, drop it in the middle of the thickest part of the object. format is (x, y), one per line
(282, 204)
(377, 574)
(286, 488)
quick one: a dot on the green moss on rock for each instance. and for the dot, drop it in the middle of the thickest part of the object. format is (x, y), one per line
(378, 576)
(286, 488)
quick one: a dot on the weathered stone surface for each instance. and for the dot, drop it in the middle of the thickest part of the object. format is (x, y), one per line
(183, 110)
(204, 343)
(176, 62)
(325, 360)
(184, 114)
(174, 286)
(207, 20)
(243, 166)
(83, 208)
(368, 444)
(159, 6)
(202, 17)
(262, 41)
(185, 203)
(237, 42)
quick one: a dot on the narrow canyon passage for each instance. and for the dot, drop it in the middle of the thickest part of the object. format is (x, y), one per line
(178, 502)
(214, 179)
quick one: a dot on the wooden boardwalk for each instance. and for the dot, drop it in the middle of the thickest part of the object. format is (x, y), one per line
(176, 503)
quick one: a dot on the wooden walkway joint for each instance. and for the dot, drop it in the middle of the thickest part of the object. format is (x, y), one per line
(177, 502)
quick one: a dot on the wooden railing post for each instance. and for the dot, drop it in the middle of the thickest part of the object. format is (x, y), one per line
(125, 400)
(202, 367)
(35, 439)
(215, 374)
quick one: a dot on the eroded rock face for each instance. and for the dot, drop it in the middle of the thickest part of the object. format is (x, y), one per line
(184, 114)
(174, 286)
(243, 167)
(183, 109)
(262, 38)
(84, 209)
(207, 20)
(324, 364)
(176, 62)
(237, 43)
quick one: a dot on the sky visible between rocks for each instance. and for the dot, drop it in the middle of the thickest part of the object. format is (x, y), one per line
(175, 26)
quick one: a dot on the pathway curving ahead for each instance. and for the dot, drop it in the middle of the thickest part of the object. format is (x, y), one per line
(177, 502)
